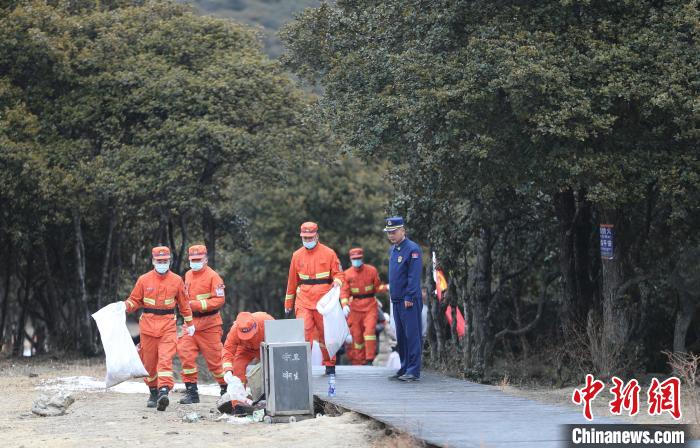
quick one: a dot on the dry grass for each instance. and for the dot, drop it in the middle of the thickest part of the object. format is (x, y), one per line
(685, 366)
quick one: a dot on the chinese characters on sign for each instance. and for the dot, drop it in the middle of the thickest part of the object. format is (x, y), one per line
(294, 374)
(661, 396)
(606, 241)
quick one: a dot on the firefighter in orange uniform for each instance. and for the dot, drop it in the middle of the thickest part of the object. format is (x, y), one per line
(242, 347)
(314, 269)
(205, 291)
(360, 306)
(157, 292)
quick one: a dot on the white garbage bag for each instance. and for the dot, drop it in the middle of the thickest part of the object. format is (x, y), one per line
(235, 391)
(123, 362)
(335, 327)
(394, 361)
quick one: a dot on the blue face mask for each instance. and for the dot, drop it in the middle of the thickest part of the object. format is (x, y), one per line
(196, 265)
(162, 268)
(309, 245)
(356, 263)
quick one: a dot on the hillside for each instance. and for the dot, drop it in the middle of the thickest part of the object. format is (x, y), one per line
(269, 15)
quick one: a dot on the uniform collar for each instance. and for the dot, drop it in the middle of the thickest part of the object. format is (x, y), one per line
(401, 244)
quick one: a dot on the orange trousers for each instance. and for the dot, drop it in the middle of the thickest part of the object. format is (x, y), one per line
(355, 356)
(157, 356)
(208, 342)
(363, 328)
(313, 327)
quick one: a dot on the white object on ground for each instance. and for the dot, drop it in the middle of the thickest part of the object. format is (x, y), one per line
(335, 327)
(316, 355)
(235, 391)
(89, 384)
(123, 362)
(394, 361)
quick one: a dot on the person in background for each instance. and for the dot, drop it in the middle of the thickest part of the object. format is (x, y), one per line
(205, 291)
(156, 293)
(313, 271)
(360, 306)
(405, 269)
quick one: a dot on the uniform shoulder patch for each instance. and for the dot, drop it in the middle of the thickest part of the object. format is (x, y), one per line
(220, 290)
(415, 254)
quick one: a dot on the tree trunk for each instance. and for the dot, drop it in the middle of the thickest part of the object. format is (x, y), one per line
(86, 341)
(482, 331)
(430, 334)
(575, 226)
(619, 301)
(684, 317)
(18, 346)
(5, 296)
(210, 237)
(106, 263)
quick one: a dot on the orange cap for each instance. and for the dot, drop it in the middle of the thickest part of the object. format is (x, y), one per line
(246, 325)
(355, 253)
(197, 251)
(309, 229)
(160, 253)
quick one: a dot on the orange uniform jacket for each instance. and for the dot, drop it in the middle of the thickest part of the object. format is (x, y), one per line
(313, 271)
(362, 285)
(161, 292)
(234, 344)
(205, 290)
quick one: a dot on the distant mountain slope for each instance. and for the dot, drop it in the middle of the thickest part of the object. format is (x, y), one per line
(268, 14)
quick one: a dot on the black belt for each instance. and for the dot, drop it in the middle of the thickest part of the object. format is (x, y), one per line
(316, 281)
(201, 314)
(159, 312)
(363, 296)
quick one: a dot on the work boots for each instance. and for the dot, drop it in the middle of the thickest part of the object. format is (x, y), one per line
(163, 400)
(191, 394)
(224, 388)
(330, 370)
(152, 399)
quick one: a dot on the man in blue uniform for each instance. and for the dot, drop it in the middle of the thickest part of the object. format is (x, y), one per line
(405, 269)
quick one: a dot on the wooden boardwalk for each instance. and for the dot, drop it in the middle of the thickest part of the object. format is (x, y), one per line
(448, 412)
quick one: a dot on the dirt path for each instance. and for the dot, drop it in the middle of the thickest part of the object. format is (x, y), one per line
(107, 419)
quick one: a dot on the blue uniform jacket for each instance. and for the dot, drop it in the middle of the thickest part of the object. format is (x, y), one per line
(405, 269)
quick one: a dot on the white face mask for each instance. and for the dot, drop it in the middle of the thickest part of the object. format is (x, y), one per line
(162, 268)
(196, 265)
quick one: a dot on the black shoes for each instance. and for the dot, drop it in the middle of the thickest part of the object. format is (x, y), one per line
(163, 400)
(223, 387)
(191, 394)
(227, 407)
(152, 399)
(396, 376)
(330, 370)
(369, 363)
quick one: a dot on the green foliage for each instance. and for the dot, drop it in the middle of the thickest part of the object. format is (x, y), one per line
(128, 125)
(491, 110)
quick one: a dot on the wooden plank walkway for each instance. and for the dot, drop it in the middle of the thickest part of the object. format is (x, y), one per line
(448, 412)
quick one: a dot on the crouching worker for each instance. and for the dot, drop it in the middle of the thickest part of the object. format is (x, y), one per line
(242, 347)
(156, 293)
